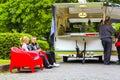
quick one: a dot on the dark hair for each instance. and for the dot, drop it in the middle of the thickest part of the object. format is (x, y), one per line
(107, 18)
(101, 21)
(107, 21)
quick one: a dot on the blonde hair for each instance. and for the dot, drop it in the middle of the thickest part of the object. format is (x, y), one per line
(23, 39)
(33, 37)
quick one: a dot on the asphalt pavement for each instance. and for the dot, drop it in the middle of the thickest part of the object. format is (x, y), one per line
(71, 70)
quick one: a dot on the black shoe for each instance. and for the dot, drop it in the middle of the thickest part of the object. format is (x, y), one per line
(107, 63)
(49, 67)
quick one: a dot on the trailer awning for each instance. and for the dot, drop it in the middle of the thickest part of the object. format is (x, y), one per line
(73, 20)
(93, 10)
(72, 10)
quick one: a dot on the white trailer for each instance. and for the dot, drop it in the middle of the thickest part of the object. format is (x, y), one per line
(76, 27)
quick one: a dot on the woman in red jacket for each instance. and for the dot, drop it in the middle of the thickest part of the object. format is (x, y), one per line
(117, 44)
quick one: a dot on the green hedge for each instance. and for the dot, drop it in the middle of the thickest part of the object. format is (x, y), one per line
(8, 40)
(43, 44)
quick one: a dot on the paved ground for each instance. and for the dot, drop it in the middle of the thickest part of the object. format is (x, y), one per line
(72, 70)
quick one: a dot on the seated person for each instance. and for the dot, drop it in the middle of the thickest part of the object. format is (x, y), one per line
(50, 55)
(25, 46)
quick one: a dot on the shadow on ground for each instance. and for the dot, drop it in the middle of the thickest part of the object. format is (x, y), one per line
(88, 61)
(26, 70)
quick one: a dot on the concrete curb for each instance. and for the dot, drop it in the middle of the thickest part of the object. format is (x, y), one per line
(4, 67)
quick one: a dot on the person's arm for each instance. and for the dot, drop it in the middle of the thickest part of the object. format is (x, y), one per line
(114, 33)
(30, 47)
(38, 47)
(112, 30)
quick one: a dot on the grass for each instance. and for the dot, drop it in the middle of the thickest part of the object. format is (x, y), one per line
(2, 61)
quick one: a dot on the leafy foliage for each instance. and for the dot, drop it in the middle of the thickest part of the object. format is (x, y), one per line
(29, 16)
(66, 1)
(116, 26)
(43, 44)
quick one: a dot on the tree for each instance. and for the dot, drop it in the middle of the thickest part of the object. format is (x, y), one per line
(66, 1)
(29, 16)
(3, 1)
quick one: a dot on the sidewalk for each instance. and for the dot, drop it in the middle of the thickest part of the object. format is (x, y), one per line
(72, 70)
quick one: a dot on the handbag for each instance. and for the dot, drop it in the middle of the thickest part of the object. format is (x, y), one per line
(117, 44)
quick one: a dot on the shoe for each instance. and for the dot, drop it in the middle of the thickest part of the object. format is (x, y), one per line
(49, 67)
(106, 63)
(56, 65)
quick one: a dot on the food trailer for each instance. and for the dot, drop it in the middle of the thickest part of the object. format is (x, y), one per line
(76, 29)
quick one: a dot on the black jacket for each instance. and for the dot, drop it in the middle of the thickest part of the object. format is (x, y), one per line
(34, 46)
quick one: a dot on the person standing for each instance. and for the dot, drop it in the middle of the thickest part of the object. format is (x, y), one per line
(105, 33)
(117, 44)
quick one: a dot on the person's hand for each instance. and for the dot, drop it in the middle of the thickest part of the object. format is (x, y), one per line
(114, 40)
(38, 50)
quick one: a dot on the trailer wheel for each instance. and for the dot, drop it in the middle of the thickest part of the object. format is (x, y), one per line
(65, 58)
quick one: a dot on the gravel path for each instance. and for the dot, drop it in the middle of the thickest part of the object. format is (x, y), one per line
(72, 70)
